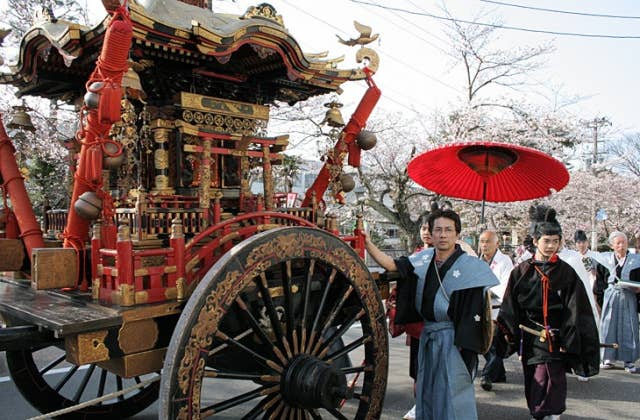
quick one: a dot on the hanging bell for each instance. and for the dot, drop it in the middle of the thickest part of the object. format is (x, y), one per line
(111, 159)
(132, 86)
(21, 119)
(366, 140)
(347, 182)
(88, 205)
(92, 97)
(333, 117)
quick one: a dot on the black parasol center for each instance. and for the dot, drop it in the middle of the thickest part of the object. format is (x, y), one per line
(487, 161)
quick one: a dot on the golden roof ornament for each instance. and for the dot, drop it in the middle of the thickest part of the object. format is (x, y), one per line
(369, 56)
(365, 36)
(263, 11)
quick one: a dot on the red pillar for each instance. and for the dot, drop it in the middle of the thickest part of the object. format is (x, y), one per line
(14, 186)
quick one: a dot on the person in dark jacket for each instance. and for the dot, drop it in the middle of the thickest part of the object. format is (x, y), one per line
(546, 316)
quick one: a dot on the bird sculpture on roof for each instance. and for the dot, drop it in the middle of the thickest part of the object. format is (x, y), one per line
(365, 36)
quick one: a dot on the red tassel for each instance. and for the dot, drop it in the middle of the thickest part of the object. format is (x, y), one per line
(109, 107)
(94, 169)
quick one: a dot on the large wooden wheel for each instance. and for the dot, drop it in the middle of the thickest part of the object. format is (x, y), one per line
(287, 325)
(49, 383)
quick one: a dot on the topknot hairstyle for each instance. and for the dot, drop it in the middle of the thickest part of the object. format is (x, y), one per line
(543, 221)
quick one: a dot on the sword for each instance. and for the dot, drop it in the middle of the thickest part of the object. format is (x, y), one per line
(543, 336)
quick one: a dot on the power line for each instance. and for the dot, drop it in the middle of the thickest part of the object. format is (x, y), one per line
(512, 28)
(404, 63)
(566, 12)
(410, 32)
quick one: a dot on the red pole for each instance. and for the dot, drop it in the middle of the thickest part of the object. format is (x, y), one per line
(346, 143)
(14, 186)
(110, 68)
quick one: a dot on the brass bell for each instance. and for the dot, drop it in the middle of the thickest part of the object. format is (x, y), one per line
(333, 117)
(92, 97)
(366, 140)
(132, 86)
(88, 205)
(347, 182)
(110, 159)
(21, 119)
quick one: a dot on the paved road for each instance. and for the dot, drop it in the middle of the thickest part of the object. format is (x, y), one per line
(614, 394)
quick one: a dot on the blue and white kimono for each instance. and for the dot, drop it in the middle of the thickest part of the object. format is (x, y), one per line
(619, 321)
(445, 385)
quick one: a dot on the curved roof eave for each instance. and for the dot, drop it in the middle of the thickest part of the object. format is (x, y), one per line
(68, 38)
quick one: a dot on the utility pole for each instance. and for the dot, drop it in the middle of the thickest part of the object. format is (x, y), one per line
(595, 124)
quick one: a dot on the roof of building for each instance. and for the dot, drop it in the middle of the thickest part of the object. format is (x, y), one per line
(180, 47)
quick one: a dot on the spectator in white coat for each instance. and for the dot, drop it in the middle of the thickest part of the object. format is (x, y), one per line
(501, 265)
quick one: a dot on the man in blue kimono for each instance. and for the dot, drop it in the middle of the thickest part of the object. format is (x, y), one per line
(619, 323)
(448, 289)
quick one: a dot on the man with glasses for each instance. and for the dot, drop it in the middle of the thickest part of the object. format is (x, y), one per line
(448, 289)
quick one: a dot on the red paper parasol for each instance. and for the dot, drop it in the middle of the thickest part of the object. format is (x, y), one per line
(488, 171)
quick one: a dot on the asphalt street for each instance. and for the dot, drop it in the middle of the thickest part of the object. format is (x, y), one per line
(613, 394)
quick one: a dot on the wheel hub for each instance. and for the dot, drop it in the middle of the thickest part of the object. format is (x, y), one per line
(309, 382)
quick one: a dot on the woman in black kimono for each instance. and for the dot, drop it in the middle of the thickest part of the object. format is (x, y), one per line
(546, 316)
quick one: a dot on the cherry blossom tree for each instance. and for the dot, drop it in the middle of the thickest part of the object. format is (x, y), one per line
(41, 155)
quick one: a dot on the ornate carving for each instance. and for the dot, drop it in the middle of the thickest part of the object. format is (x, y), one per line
(162, 183)
(138, 336)
(87, 347)
(161, 159)
(263, 52)
(95, 288)
(237, 274)
(180, 289)
(126, 295)
(263, 11)
(371, 56)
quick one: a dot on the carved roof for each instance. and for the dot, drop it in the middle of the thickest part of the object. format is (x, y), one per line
(180, 47)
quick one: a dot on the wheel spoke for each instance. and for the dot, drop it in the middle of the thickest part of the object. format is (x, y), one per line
(259, 408)
(335, 413)
(66, 378)
(255, 326)
(356, 369)
(314, 414)
(271, 311)
(320, 310)
(224, 346)
(260, 359)
(237, 400)
(275, 414)
(119, 386)
(348, 348)
(103, 380)
(340, 332)
(210, 373)
(285, 413)
(83, 384)
(288, 301)
(305, 306)
(52, 364)
(332, 316)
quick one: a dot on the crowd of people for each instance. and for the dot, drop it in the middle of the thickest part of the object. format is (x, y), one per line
(560, 310)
